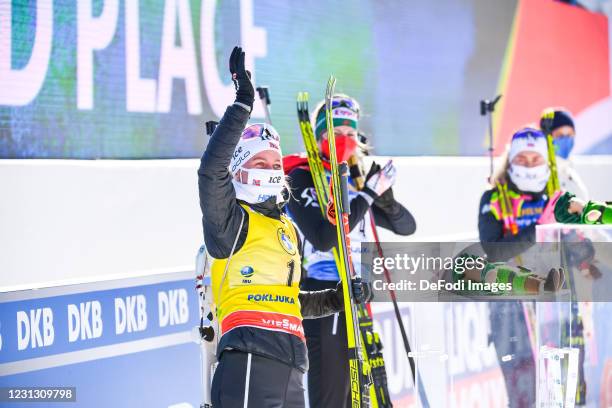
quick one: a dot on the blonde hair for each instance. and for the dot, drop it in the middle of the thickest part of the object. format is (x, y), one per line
(500, 175)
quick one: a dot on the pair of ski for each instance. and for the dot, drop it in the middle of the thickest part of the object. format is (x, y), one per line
(360, 370)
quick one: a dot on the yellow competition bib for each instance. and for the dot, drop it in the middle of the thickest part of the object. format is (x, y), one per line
(261, 286)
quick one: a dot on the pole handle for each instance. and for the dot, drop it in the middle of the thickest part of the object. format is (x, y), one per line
(343, 170)
(211, 125)
(264, 94)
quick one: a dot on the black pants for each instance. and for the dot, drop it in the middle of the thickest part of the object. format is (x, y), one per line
(268, 382)
(328, 375)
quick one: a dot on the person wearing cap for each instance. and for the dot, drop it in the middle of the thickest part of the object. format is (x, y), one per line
(371, 203)
(515, 204)
(563, 133)
(256, 267)
(508, 213)
(511, 209)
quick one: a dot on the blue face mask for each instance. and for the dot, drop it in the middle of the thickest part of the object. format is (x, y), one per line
(563, 146)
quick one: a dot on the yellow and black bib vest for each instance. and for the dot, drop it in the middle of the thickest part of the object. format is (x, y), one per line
(261, 286)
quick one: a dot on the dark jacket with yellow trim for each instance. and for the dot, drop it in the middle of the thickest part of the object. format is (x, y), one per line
(500, 246)
(221, 217)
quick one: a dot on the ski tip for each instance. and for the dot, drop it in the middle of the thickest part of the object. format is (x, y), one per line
(329, 91)
(302, 106)
(305, 103)
(302, 96)
(331, 82)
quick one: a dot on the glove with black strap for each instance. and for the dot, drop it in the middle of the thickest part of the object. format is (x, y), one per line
(361, 291)
(245, 93)
(378, 182)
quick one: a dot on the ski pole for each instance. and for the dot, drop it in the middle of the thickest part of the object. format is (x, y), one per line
(357, 175)
(416, 378)
(487, 108)
(264, 97)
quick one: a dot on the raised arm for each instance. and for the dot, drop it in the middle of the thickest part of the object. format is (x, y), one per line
(221, 214)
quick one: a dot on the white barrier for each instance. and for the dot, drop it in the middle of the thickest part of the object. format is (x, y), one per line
(66, 220)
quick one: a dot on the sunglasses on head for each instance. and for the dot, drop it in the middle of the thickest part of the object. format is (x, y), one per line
(252, 132)
(345, 103)
(258, 131)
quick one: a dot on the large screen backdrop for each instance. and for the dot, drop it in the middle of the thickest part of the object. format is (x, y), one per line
(138, 78)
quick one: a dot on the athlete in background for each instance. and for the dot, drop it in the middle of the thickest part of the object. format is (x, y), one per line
(521, 183)
(509, 213)
(328, 377)
(563, 132)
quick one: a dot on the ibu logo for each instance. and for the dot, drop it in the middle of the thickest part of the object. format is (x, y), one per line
(286, 242)
(247, 271)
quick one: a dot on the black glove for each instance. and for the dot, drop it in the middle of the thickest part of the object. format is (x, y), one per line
(361, 290)
(384, 201)
(245, 93)
(374, 168)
